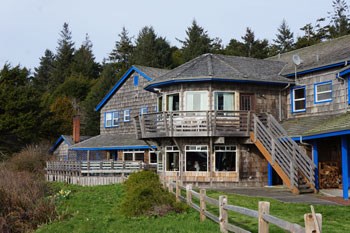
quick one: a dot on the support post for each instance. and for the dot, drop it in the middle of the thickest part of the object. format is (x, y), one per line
(189, 194)
(315, 159)
(310, 226)
(223, 216)
(345, 167)
(170, 186)
(269, 174)
(178, 191)
(202, 205)
(264, 208)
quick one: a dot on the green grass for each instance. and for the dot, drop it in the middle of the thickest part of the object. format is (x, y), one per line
(95, 209)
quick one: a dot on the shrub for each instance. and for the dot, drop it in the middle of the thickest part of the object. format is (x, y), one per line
(144, 195)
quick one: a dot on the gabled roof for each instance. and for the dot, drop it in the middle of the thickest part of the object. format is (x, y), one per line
(148, 73)
(313, 127)
(68, 139)
(215, 67)
(111, 142)
(325, 55)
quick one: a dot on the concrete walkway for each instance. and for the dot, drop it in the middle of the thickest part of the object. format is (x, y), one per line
(281, 194)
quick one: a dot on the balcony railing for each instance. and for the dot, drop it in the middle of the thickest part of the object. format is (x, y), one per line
(193, 123)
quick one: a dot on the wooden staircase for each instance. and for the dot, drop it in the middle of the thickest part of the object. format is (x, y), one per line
(290, 161)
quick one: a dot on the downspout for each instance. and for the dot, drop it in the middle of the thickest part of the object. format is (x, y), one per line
(280, 102)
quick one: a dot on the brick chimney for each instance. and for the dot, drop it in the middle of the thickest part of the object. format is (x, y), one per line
(76, 129)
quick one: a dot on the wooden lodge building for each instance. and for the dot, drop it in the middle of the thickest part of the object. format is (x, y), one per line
(228, 121)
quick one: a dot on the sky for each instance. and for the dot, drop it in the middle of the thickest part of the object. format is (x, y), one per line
(29, 27)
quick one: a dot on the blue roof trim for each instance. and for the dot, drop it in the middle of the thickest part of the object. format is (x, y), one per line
(58, 142)
(114, 148)
(151, 86)
(322, 135)
(343, 73)
(318, 68)
(119, 83)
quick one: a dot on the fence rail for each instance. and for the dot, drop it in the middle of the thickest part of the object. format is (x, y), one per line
(313, 222)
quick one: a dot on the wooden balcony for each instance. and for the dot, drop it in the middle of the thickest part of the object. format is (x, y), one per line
(193, 124)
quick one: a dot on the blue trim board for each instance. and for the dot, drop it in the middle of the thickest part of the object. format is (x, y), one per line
(119, 84)
(322, 135)
(269, 174)
(315, 92)
(343, 73)
(315, 159)
(345, 166)
(113, 148)
(318, 68)
(170, 82)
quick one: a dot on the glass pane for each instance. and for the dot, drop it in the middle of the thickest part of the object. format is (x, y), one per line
(299, 93)
(324, 87)
(229, 101)
(324, 96)
(225, 161)
(173, 102)
(128, 156)
(160, 104)
(196, 161)
(172, 161)
(299, 105)
(139, 156)
(153, 157)
(196, 101)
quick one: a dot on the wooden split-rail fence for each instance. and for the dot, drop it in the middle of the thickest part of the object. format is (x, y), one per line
(199, 201)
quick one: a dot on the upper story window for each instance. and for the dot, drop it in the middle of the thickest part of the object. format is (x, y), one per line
(225, 101)
(173, 102)
(136, 80)
(111, 119)
(197, 101)
(127, 115)
(298, 99)
(143, 110)
(323, 92)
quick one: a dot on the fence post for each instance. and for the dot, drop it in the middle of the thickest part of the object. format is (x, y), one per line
(264, 208)
(202, 205)
(310, 223)
(189, 194)
(223, 216)
(170, 186)
(178, 191)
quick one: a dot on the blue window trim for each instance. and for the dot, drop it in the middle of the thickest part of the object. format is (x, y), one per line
(112, 123)
(315, 92)
(126, 110)
(142, 109)
(292, 99)
(136, 80)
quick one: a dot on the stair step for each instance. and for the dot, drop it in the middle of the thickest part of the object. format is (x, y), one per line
(304, 191)
(303, 186)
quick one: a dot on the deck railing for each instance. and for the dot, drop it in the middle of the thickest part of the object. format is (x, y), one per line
(193, 123)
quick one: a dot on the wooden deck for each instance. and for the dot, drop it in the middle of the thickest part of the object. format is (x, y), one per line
(193, 123)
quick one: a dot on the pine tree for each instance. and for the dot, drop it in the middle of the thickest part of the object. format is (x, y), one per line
(123, 49)
(43, 73)
(254, 47)
(197, 42)
(235, 48)
(284, 38)
(340, 25)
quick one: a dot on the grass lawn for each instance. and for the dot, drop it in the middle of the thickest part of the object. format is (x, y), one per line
(95, 209)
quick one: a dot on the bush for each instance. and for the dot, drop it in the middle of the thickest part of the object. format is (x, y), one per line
(144, 195)
(23, 201)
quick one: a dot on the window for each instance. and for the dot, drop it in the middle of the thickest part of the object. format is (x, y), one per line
(134, 155)
(128, 156)
(111, 119)
(136, 80)
(126, 115)
(298, 99)
(224, 101)
(323, 92)
(160, 104)
(143, 110)
(152, 157)
(197, 101)
(196, 158)
(172, 155)
(225, 158)
(173, 102)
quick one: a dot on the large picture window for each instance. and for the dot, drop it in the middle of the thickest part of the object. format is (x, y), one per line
(197, 101)
(173, 102)
(196, 158)
(323, 92)
(111, 119)
(225, 101)
(298, 99)
(225, 158)
(172, 155)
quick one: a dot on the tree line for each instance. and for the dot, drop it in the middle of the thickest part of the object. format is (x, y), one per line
(69, 81)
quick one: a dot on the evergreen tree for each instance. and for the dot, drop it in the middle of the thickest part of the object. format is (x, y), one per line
(123, 50)
(254, 47)
(235, 48)
(284, 38)
(339, 19)
(43, 74)
(197, 42)
(64, 57)
(83, 63)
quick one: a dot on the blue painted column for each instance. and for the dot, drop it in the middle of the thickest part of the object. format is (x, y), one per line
(315, 159)
(345, 166)
(269, 174)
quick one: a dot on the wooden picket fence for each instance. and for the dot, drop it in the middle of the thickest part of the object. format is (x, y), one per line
(313, 221)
